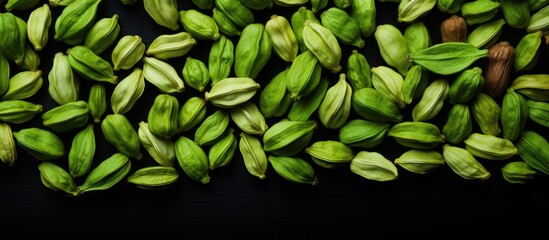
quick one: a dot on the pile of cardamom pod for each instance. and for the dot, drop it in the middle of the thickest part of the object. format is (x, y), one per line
(481, 86)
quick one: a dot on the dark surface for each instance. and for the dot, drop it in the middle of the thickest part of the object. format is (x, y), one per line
(236, 203)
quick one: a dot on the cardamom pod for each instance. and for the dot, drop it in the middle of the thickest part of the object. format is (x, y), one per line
(466, 86)
(23, 85)
(486, 113)
(90, 65)
(236, 11)
(412, 10)
(63, 84)
(163, 12)
(343, 26)
(127, 52)
(373, 166)
(364, 11)
(516, 13)
(226, 26)
(486, 34)
(415, 83)
(274, 100)
(463, 163)
(199, 25)
(4, 74)
(538, 111)
(162, 150)
(417, 135)
(162, 75)
(8, 149)
(539, 21)
(417, 36)
(500, 65)
(431, 101)
(75, 21)
(119, 131)
(31, 60)
(514, 114)
(420, 161)
(294, 169)
(490, 147)
(533, 148)
(370, 104)
(293, 3)
(248, 118)
(18, 111)
(297, 20)
(40, 143)
(195, 73)
(14, 37)
(450, 6)
(191, 113)
(255, 159)
(192, 159)
(82, 151)
(252, 51)
(163, 115)
(335, 108)
(38, 25)
(317, 5)
(447, 58)
(518, 172)
(527, 51)
(359, 71)
(168, 46)
(231, 91)
(323, 44)
(283, 40)
(532, 86)
(154, 177)
(362, 133)
(330, 153)
(453, 29)
(389, 83)
(212, 128)
(108, 173)
(459, 123)
(221, 153)
(477, 12)
(67, 117)
(343, 4)
(12, 5)
(60, 3)
(393, 47)
(204, 4)
(303, 75)
(102, 34)
(303, 109)
(57, 179)
(97, 101)
(221, 59)
(128, 91)
(288, 137)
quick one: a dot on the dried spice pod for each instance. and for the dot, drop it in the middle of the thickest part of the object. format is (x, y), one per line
(501, 58)
(454, 29)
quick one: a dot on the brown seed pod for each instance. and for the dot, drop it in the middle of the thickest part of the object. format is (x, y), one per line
(454, 29)
(500, 63)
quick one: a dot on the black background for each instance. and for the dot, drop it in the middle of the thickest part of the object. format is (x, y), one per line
(236, 203)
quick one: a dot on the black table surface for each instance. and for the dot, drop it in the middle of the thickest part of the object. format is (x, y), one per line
(236, 203)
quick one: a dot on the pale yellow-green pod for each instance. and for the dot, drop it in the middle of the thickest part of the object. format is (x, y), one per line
(154, 177)
(463, 163)
(431, 101)
(249, 118)
(290, 3)
(539, 21)
(222, 152)
(282, 37)
(23, 84)
(411, 10)
(335, 108)
(389, 83)
(323, 44)
(162, 75)
(373, 166)
(128, 51)
(490, 147)
(191, 113)
(518, 172)
(8, 148)
(420, 161)
(253, 154)
(486, 34)
(64, 84)
(164, 12)
(103, 34)
(417, 135)
(393, 47)
(163, 115)
(38, 26)
(231, 91)
(57, 179)
(31, 59)
(199, 25)
(128, 91)
(18, 111)
(82, 151)
(330, 153)
(212, 128)
(108, 173)
(288, 137)
(533, 86)
(161, 149)
(168, 46)
(12, 5)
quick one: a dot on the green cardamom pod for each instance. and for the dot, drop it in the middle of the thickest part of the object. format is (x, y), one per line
(102, 34)
(480, 11)
(248, 118)
(12, 5)
(323, 44)
(303, 109)
(448, 58)
(162, 75)
(174, 45)
(40, 143)
(297, 20)
(204, 4)
(527, 51)
(514, 114)
(191, 113)
(31, 60)
(533, 148)
(490, 147)
(67, 117)
(359, 71)
(317, 5)
(63, 83)
(231, 91)
(14, 37)
(18, 111)
(412, 10)
(274, 100)
(128, 91)
(252, 51)
(362, 133)
(82, 151)
(255, 159)
(389, 83)
(283, 40)
(459, 123)
(97, 101)
(463, 163)
(8, 149)
(221, 153)
(449, 6)
(532, 86)
(38, 25)
(417, 36)
(364, 11)
(303, 75)
(415, 83)
(236, 11)
(108, 173)
(518, 172)
(221, 59)
(516, 13)
(466, 86)
(335, 108)
(538, 111)
(75, 21)
(417, 135)
(163, 115)
(539, 21)
(226, 26)
(373, 166)
(330, 153)
(294, 169)
(486, 34)
(57, 179)
(212, 128)
(4, 74)
(195, 73)
(60, 3)
(393, 47)
(486, 112)
(420, 161)
(370, 104)
(154, 177)
(119, 131)
(343, 4)
(23, 85)
(199, 25)
(163, 12)
(534, 5)
(90, 65)
(161, 149)
(288, 137)
(343, 26)
(431, 101)
(127, 52)
(192, 159)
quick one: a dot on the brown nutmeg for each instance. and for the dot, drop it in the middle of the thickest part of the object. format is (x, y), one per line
(500, 64)
(454, 29)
